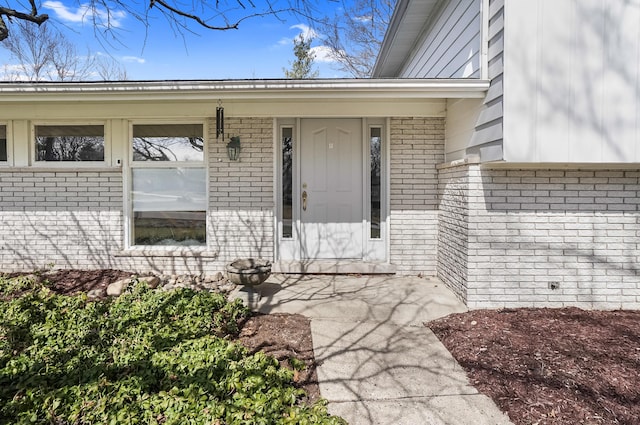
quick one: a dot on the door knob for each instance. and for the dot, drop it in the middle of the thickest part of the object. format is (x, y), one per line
(304, 200)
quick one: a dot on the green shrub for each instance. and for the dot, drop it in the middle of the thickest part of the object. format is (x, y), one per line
(147, 357)
(16, 285)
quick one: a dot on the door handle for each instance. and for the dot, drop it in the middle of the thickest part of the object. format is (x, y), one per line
(304, 200)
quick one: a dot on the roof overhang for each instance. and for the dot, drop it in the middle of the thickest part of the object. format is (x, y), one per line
(207, 91)
(407, 23)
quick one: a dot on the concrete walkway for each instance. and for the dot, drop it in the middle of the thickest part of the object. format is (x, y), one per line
(378, 364)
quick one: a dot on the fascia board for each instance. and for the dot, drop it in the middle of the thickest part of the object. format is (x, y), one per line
(207, 91)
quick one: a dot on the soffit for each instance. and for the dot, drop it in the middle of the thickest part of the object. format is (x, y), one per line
(407, 23)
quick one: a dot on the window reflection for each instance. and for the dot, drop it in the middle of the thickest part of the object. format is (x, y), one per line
(168, 142)
(169, 201)
(69, 142)
(170, 228)
(287, 182)
(3, 142)
(375, 153)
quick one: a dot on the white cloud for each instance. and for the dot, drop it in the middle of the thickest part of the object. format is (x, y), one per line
(306, 31)
(11, 72)
(363, 18)
(112, 18)
(133, 59)
(285, 41)
(323, 54)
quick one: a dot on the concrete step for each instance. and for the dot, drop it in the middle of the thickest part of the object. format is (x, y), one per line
(332, 267)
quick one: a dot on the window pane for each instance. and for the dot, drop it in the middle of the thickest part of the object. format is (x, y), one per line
(3, 142)
(168, 142)
(375, 151)
(69, 142)
(169, 206)
(287, 182)
(186, 228)
(169, 189)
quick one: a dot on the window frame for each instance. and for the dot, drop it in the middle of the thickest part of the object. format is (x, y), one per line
(106, 125)
(128, 178)
(9, 144)
(377, 249)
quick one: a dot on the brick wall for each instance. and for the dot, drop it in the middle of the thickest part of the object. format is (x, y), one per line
(453, 228)
(575, 230)
(74, 219)
(241, 193)
(69, 219)
(417, 145)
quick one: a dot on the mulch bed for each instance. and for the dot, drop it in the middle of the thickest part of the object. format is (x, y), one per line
(285, 336)
(70, 282)
(541, 366)
(551, 366)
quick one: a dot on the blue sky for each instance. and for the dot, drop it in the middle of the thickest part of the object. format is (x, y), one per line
(260, 48)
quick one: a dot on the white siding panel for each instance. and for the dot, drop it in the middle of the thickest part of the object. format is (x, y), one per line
(587, 81)
(571, 85)
(451, 44)
(552, 100)
(520, 56)
(622, 56)
(462, 114)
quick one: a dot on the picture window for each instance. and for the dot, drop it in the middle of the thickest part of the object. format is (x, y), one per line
(169, 197)
(69, 143)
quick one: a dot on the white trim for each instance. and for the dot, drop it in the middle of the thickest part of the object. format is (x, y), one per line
(170, 251)
(366, 185)
(293, 251)
(243, 89)
(376, 249)
(276, 194)
(286, 247)
(484, 40)
(128, 167)
(386, 211)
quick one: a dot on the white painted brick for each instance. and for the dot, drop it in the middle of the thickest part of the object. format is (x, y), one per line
(563, 235)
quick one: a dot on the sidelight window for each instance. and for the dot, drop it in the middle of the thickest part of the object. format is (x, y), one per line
(3, 143)
(375, 153)
(287, 182)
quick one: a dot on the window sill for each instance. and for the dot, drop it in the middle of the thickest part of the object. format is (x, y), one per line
(61, 169)
(167, 252)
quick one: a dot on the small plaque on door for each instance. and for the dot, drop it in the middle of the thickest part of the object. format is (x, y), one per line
(330, 145)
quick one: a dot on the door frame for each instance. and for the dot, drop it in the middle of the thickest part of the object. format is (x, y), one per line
(290, 248)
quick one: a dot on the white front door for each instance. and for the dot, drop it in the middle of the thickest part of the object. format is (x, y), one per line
(331, 181)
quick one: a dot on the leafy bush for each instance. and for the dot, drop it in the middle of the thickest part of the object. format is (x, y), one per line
(15, 285)
(147, 357)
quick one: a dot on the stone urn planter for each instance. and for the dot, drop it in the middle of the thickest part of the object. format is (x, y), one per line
(248, 271)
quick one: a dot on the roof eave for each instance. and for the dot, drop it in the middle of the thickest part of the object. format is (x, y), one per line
(244, 89)
(401, 37)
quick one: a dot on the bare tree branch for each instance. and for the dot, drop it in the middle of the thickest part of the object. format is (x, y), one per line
(192, 17)
(12, 13)
(355, 35)
(46, 54)
(219, 16)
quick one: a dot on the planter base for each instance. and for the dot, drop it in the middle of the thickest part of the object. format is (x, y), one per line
(248, 271)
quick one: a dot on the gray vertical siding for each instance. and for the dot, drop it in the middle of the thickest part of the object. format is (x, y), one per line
(450, 47)
(488, 138)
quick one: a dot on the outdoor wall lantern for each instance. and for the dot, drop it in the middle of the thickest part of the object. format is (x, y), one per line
(233, 148)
